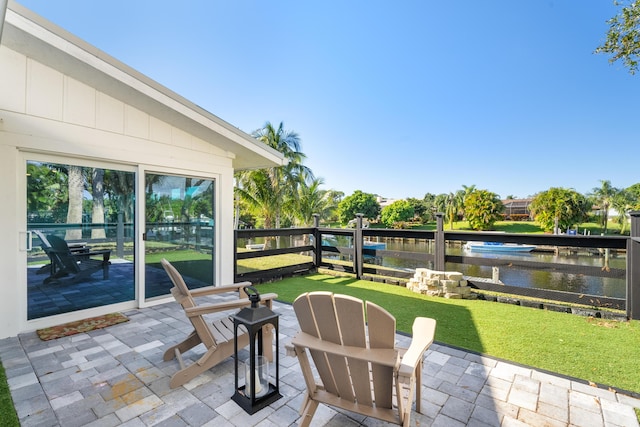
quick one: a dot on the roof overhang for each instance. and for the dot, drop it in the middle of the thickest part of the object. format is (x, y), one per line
(30, 34)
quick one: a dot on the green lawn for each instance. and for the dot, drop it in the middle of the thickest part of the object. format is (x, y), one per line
(273, 261)
(593, 228)
(595, 350)
(200, 269)
(7, 412)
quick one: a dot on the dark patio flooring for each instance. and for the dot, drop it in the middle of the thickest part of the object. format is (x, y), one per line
(65, 295)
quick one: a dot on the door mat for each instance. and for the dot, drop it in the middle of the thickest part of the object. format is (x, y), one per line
(81, 326)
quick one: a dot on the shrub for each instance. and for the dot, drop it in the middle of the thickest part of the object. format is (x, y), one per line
(399, 211)
(482, 209)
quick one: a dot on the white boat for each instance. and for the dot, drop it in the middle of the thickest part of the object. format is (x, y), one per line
(498, 247)
(368, 244)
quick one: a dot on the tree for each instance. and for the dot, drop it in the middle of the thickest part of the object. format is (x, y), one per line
(397, 212)
(269, 191)
(566, 206)
(633, 192)
(622, 202)
(336, 198)
(430, 208)
(421, 209)
(482, 209)
(74, 211)
(262, 193)
(623, 36)
(97, 211)
(120, 187)
(461, 196)
(440, 203)
(359, 202)
(603, 197)
(47, 197)
(453, 207)
(314, 200)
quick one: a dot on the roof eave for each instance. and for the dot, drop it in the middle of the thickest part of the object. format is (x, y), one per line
(34, 36)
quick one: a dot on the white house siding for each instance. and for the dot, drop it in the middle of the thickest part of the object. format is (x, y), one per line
(45, 111)
(52, 112)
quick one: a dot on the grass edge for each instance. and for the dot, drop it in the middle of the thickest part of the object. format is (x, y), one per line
(8, 413)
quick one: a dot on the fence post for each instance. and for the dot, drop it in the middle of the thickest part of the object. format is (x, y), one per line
(317, 241)
(633, 268)
(439, 250)
(357, 246)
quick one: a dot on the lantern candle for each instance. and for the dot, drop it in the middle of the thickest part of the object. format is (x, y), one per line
(260, 378)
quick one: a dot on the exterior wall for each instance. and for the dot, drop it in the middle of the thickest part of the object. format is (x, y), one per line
(44, 111)
(11, 304)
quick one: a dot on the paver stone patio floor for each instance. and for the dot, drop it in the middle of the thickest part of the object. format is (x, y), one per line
(116, 376)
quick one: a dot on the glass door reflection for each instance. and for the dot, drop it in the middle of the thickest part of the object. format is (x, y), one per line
(80, 220)
(179, 227)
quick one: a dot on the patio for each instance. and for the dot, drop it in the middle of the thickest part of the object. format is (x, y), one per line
(66, 295)
(116, 376)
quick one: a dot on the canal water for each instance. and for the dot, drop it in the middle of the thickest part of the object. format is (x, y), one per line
(527, 278)
(576, 283)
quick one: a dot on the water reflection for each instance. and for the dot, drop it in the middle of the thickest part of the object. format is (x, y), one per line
(526, 278)
(576, 283)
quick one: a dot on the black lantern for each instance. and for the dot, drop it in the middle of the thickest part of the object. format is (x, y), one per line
(258, 390)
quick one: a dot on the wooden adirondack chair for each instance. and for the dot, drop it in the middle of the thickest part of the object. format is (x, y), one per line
(358, 366)
(218, 335)
(76, 264)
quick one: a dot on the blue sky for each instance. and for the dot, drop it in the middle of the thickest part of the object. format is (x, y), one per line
(395, 98)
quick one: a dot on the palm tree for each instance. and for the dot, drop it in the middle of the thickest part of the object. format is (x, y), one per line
(262, 194)
(313, 200)
(452, 207)
(603, 196)
(440, 203)
(462, 196)
(270, 191)
(622, 202)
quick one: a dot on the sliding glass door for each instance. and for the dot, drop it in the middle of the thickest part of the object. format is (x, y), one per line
(80, 219)
(179, 226)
